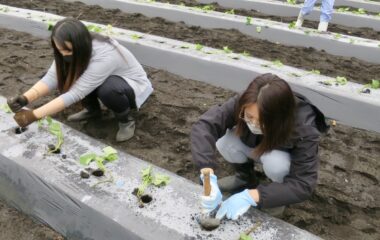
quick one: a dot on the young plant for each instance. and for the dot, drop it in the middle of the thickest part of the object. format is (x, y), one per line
(337, 35)
(293, 2)
(277, 63)
(198, 47)
(94, 28)
(246, 54)
(109, 154)
(258, 29)
(315, 71)
(208, 8)
(5, 108)
(341, 80)
(232, 11)
(55, 129)
(344, 9)
(292, 25)
(248, 21)
(136, 36)
(227, 50)
(148, 179)
(359, 11)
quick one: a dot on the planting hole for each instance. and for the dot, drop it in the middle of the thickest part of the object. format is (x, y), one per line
(53, 150)
(98, 173)
(146, 198)
(19, 130)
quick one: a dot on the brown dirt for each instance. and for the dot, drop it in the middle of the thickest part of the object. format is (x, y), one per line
(306, 58)
(359, 32)
(345, 205)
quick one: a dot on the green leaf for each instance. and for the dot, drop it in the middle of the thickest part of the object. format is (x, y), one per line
(85, 159)
(292, 25)
(258, 29)
(185, 46)
(161, 180)
(109, 150)
(344, 9)
(232, 11)
(337, 35)
(244, 236)
(136, 36)
(293, 2)
(99, 161)
(227, 50)
(246, 54)
(94, 28)
(198, 47)
(5, 108)
(375, 84)
(208, 8)
(314, 71)
(341, 80)
(277, 63)
(248, 21)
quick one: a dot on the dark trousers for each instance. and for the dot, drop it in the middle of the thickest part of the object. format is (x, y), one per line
(116, 94)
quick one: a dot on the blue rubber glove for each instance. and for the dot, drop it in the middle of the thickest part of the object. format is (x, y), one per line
(211, 202)
(236, 205)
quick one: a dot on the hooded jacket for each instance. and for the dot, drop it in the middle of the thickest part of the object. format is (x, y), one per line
(303, 144)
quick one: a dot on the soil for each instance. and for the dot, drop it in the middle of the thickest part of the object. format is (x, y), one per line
(346, 202)
(358, 32)
(299, 57)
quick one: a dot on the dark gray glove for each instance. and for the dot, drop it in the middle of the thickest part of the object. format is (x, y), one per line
(17, 103)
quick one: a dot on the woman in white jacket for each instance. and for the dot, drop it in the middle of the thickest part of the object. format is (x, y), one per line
(87, 67)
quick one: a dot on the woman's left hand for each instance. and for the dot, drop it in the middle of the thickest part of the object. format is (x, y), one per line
(25, 117)
(236, 205)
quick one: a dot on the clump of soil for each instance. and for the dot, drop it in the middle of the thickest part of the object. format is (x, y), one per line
(84, 174)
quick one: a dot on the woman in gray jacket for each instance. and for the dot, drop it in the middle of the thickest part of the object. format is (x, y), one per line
(267, 124)
(87, 67)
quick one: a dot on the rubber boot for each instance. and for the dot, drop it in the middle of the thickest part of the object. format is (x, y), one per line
(126, 126)
(244, 178)
(300, 20)
(322, 27)
(84, 115)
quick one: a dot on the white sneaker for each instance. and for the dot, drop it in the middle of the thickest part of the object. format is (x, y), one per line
(126, 131)
(299, 21)
(322, 27)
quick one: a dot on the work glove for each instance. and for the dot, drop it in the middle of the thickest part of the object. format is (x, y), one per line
(209, 203)
(236, 205)
(17, 103)
(25, 117)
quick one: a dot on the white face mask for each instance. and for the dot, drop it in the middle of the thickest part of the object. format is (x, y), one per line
(255, 130)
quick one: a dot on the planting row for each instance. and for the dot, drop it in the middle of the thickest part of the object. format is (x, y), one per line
(306, 58)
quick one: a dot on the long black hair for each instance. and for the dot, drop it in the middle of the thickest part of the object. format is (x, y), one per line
(73, 31)
(276, 104)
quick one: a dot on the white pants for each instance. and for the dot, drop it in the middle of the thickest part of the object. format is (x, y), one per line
(276, 164)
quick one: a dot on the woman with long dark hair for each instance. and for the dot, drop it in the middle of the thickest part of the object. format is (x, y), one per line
(87, 67)
(267, 124)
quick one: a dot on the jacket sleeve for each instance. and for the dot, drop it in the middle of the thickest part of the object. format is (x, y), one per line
(211, 126)
(299, 184)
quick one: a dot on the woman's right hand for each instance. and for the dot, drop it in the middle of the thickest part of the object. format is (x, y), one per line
(209, 203)
(17, 103)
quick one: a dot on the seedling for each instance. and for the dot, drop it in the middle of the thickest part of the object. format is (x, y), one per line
(258, 29)
(344, 9)
(246, 54)
(232, 11)
(227, 50)
(136, 36)
(340, 80)
(109, 154)
(198, 47)
(277, 63)
(185, 46)
(314, 71)
(5, 108)
(248, 21)
(375, 84)
(208, 8)
(292, 25)
(337, 35)
(148, 179)
(55, 129)
(246, 235)
(94, 28)
(4, 9)
(359, 11)
(293, 2)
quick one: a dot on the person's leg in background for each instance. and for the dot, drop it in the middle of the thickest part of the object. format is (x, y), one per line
(305, 10)
(327, 10)
(234, 151)
(116, 94)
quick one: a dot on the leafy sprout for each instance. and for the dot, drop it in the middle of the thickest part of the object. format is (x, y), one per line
(148, 178)
(293, 2)
(232, 11)
(258, 29)
(248, 21)
(337, 35)
(277, 63)
(94, 28)
(246, 54)
(55, 129)
(359, 11)
(109, 154)
(292, 25)
(136, 36)
(5, 108)
(198, 47)
(227, 50)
